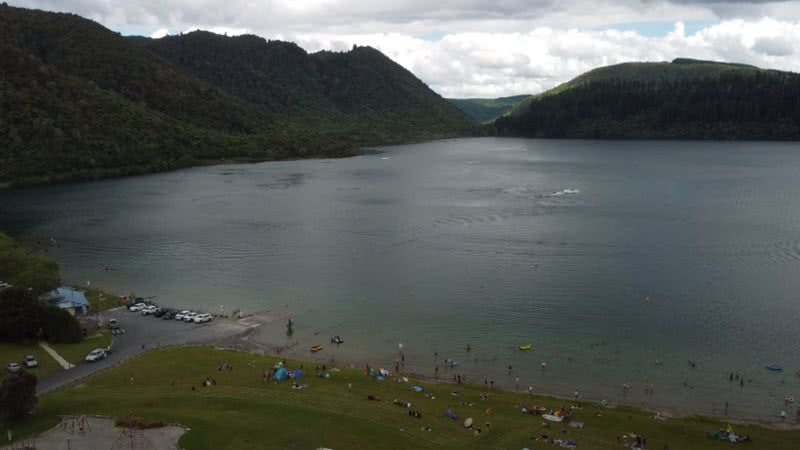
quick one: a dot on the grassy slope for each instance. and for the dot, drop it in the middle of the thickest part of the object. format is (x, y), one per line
(679, 69)
(17, 352)
(76, 353)
(487, 109)
(244, 412)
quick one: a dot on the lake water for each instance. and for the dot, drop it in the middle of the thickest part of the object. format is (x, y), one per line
(604, 255)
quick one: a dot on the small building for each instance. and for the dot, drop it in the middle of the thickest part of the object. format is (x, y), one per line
(75, 302)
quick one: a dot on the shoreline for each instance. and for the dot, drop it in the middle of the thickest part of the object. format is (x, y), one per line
(249, 342)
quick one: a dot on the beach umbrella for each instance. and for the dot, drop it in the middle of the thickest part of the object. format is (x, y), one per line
(281, 374)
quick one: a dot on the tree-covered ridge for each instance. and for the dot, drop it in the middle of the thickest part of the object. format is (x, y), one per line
(486, 109)
(680, 69)
(361, 90)
(736, 105)
(80, 101)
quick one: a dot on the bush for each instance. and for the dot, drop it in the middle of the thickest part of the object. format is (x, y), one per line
(138, 423)
(20, 315)
(59, 325)
(17, 396)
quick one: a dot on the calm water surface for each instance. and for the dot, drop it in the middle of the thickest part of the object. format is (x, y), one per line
(604, 255)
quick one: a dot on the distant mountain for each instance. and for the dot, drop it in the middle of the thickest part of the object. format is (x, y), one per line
(685, 98)
(486, 109)
(80, 101)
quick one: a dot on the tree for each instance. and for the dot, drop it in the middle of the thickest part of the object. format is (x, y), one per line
(59, 325)
(19, 315)
(17, 395)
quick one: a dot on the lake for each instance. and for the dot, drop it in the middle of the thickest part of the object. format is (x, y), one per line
(605, 255)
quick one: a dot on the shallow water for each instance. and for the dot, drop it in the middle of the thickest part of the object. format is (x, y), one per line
(604, 255)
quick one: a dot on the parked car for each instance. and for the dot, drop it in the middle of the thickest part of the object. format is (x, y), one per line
(112, 323)
(180, 315)
(203, 318)
(189, 317)
(160, 312)
(30, 362)
(169, 315)
(96, 355)
(151, 309)
(136, 307)
(13, 367)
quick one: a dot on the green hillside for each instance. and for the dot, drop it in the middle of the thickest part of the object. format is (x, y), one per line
(361, 91)
(686, 99)
(80, 101)
(486, 109)
(680, 69)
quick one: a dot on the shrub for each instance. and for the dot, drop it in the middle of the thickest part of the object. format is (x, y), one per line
(138, 423)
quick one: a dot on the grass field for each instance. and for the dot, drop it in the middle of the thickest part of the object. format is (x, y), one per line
(100, 301)
(16, 353)
(75, 353)
(242, 411)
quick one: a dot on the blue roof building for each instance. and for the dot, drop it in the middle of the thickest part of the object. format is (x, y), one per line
(75, 302)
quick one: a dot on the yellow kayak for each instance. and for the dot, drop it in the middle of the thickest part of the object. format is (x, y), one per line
(526, 347)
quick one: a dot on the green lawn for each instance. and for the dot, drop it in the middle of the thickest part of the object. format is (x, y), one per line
(243, 412)
(16, 353)
(75, 353)
(100, 301)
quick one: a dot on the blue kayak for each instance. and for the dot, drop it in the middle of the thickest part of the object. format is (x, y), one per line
(775, 368)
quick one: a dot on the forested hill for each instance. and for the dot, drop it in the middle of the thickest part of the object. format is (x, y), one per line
(81, 101)
(361, 89)
(487, 109)
(685, 99)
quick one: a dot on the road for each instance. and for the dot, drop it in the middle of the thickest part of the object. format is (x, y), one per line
(143, 333)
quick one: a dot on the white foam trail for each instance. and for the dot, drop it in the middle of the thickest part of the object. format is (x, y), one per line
(565, 192)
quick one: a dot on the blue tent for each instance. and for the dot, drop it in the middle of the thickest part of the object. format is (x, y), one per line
(281, 374)
(297, 374)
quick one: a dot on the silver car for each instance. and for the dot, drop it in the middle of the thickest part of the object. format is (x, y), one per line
(96, 355)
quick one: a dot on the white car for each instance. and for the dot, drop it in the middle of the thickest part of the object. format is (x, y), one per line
(180, 315)
(147, 310)
(189, 317)
(96, 355)
(136, 307)
(203, 318)
(30, 362)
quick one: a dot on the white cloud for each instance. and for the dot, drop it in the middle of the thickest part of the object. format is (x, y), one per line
(158, 34)
(484, 47)
(494, 64)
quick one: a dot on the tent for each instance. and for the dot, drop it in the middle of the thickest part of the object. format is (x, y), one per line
(281, 374)
(296, 374)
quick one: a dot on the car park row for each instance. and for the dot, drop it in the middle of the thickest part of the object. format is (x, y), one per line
(147, 309)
